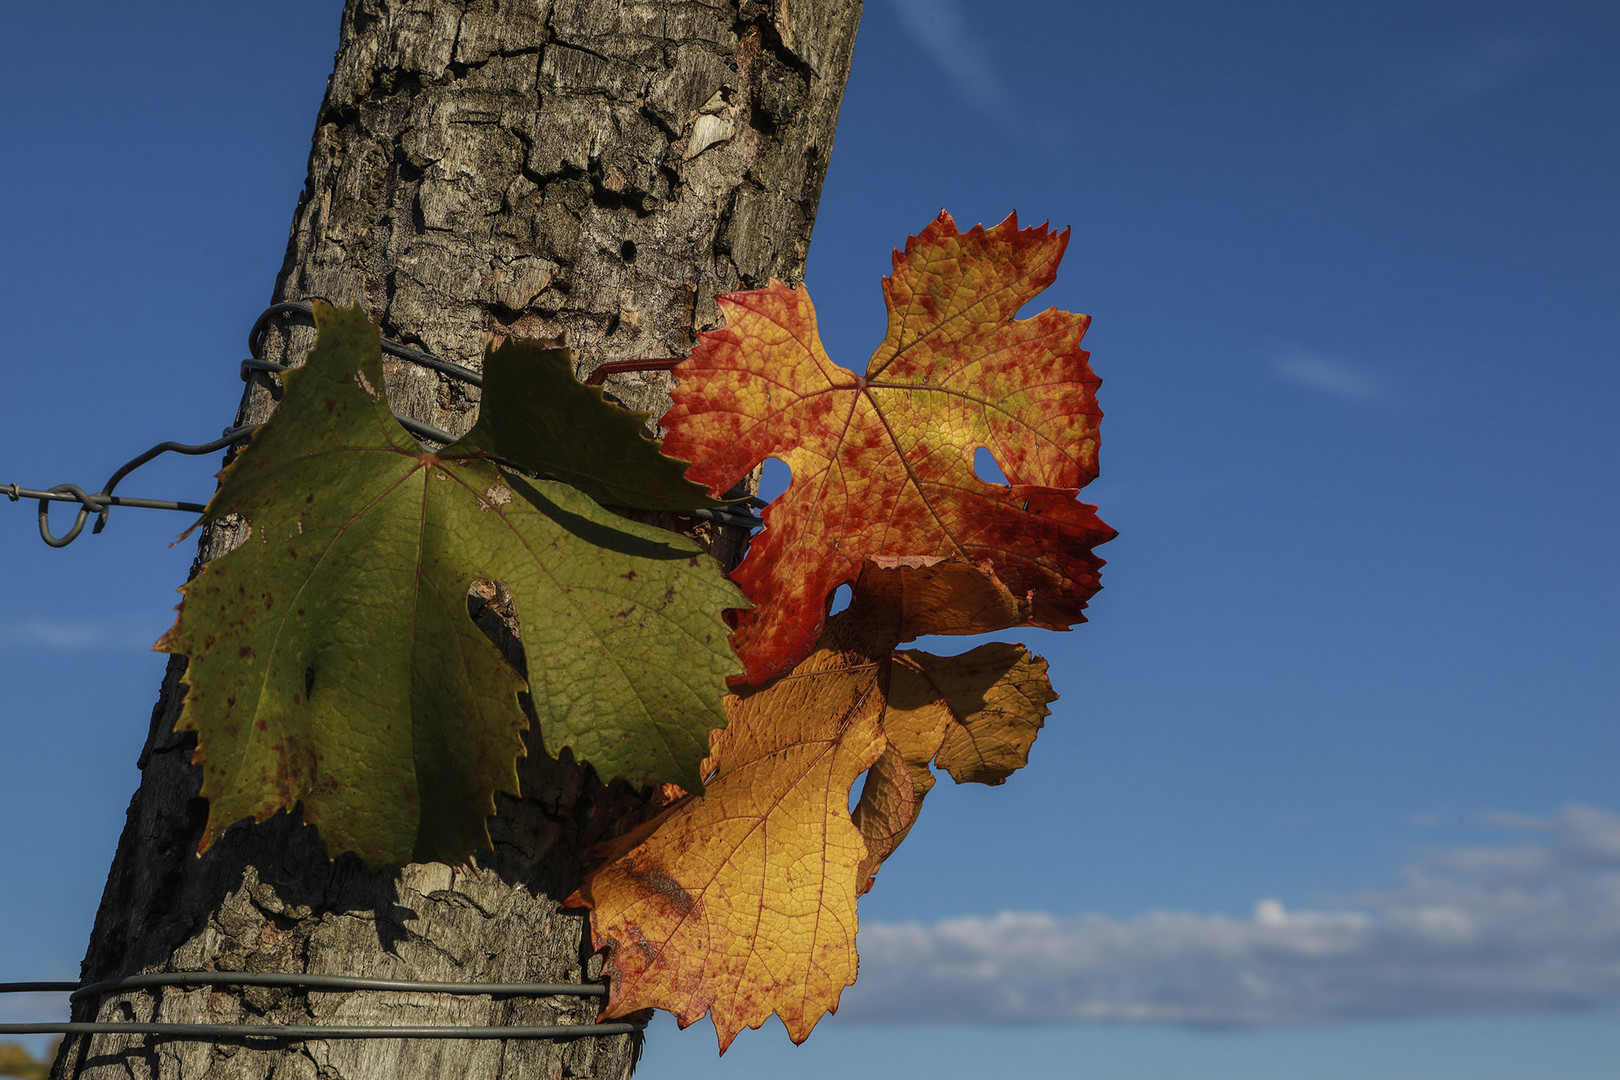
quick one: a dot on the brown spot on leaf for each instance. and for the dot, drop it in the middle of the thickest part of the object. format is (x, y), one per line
(643, 946)
(246, 653)
(666, 887)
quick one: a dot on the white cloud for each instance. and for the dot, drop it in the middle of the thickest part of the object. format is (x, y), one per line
(1529, 928)
(1335, 378)
(940, 29)
(72, 634)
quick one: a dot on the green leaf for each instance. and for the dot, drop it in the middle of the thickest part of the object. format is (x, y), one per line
(333, 662)
(541, 418)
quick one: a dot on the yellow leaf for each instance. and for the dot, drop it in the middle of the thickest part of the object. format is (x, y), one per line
(741, 903)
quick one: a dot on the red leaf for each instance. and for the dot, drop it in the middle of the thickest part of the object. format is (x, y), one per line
(883, 463)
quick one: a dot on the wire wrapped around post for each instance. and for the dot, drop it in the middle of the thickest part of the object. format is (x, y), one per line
(99, 503)
(319, 984)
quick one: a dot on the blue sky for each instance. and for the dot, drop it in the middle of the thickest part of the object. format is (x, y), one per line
(1330, 791)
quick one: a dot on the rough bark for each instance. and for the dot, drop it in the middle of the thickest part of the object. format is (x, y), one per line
(479, 169)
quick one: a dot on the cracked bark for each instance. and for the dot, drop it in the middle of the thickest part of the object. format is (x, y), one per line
(479, 169)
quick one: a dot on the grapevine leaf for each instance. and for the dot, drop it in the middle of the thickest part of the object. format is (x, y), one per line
(547, 421)
(740, 903)
(883, 463)
(974, 715)
(333, 661)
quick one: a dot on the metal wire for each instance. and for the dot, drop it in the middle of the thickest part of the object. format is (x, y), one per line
(319, 983)
(218, 1032)
(99, 503)
(261, 326)
(327, 982)
(306, 313)
(102, 501)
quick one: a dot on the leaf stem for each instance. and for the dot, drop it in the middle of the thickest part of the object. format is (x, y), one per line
(619, 367)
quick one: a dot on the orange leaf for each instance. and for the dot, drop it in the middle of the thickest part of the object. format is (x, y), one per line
(741, 903)
(974, 715)
(883, 462)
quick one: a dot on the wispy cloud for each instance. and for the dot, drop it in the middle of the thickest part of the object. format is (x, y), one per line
(1336, 378)
(940, 28)
(1526, 928)
(1475, 69)
(72, 634)
(1411, 96)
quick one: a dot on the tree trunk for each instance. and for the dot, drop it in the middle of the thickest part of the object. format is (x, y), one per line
(480, 169)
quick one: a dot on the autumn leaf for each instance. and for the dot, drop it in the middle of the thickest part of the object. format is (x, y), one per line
(740, 903)
(333, 662)
(15, 1060)
(974, 715)
(883, 463)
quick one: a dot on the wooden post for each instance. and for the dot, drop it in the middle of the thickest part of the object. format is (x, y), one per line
(479, 169)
